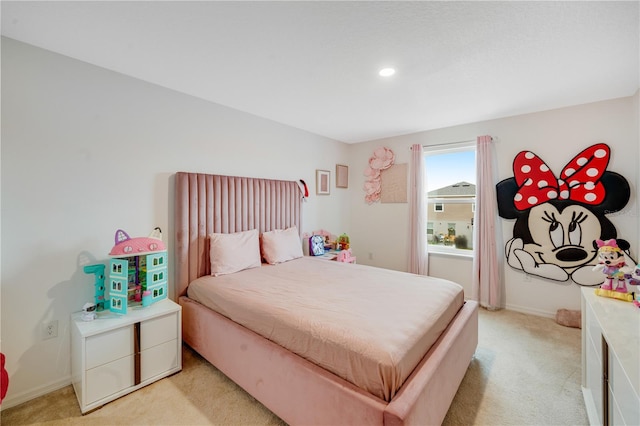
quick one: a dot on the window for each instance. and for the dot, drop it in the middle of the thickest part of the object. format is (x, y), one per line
(451, 196)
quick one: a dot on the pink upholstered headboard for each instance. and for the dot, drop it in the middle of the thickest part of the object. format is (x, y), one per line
(224, 204)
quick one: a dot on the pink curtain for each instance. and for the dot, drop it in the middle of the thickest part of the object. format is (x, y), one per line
(487, 287)
(418, 254)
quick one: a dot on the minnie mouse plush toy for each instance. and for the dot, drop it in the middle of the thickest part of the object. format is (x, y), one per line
(612, 263)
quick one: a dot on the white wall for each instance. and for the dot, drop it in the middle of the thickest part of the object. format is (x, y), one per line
(380, 231)
(86, 151)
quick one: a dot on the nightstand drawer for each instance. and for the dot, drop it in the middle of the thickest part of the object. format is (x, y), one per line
(158, 330)
(158, 359)
(108, 379)
(110, 346)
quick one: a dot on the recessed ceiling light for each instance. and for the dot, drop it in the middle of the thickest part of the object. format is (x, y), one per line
(387, 72)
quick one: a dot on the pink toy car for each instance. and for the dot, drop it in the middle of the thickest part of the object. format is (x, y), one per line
(345, 256)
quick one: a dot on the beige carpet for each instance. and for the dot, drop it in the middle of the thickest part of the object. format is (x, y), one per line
(526, 372)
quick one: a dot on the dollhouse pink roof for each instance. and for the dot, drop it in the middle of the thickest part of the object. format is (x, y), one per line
(125, 245)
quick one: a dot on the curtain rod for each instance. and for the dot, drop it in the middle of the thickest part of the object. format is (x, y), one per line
(449, 143)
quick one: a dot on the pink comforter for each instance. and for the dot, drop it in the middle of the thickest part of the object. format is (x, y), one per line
(368, 325)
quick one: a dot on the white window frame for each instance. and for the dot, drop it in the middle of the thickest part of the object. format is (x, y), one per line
(435, 207)
(447, 149)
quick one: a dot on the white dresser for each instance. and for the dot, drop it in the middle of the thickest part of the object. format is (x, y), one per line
(115, 354)
(610, 360)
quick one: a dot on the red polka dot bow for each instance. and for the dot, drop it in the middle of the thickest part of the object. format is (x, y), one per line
(579, 180)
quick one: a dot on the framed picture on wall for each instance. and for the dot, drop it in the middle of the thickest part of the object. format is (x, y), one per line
(342, 176)
(322, 182)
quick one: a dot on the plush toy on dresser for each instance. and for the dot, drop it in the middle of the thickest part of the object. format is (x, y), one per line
(612, 263)
(634, 279)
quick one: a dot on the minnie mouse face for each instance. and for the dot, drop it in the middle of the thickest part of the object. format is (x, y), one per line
(565, 235)
(611, 258)
(558, 220)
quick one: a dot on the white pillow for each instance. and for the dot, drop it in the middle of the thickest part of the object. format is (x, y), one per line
(281, 245)
(231, 253)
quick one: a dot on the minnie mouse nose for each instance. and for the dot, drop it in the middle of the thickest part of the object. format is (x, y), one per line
(571, 254)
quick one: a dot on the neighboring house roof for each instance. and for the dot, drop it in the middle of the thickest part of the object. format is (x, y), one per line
(460, 189)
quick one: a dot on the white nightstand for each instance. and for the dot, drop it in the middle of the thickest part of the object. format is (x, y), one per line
(114, 354)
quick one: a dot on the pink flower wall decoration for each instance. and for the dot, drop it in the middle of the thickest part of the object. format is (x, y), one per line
(382, 159)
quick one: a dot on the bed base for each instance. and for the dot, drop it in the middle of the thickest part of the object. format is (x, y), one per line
(300, 392)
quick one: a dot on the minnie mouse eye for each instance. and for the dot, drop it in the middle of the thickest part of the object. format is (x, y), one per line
(575, 234)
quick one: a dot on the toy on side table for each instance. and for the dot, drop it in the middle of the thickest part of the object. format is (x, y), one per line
(89, 311)
(343, 242)
(98, 271)
(137, 271)
(345, 256)
(612, 263)
(316, 245)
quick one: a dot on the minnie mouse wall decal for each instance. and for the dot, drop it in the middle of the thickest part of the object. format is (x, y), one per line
(559, 219)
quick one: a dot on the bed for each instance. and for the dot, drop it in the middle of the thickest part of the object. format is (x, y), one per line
(292, 384)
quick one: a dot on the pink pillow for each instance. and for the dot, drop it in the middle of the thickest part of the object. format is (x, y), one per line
(281, 245)
(231, 253)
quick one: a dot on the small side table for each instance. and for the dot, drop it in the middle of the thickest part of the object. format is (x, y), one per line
(115, 354)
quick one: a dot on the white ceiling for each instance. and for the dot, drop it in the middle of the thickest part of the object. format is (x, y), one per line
(313, 65)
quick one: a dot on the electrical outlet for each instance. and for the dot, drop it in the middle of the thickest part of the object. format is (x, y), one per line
(50, 330)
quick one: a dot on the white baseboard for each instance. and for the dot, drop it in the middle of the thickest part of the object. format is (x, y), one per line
(16, 399)
(530, 311)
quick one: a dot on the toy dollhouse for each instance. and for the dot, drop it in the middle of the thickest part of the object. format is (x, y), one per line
(137, 271)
